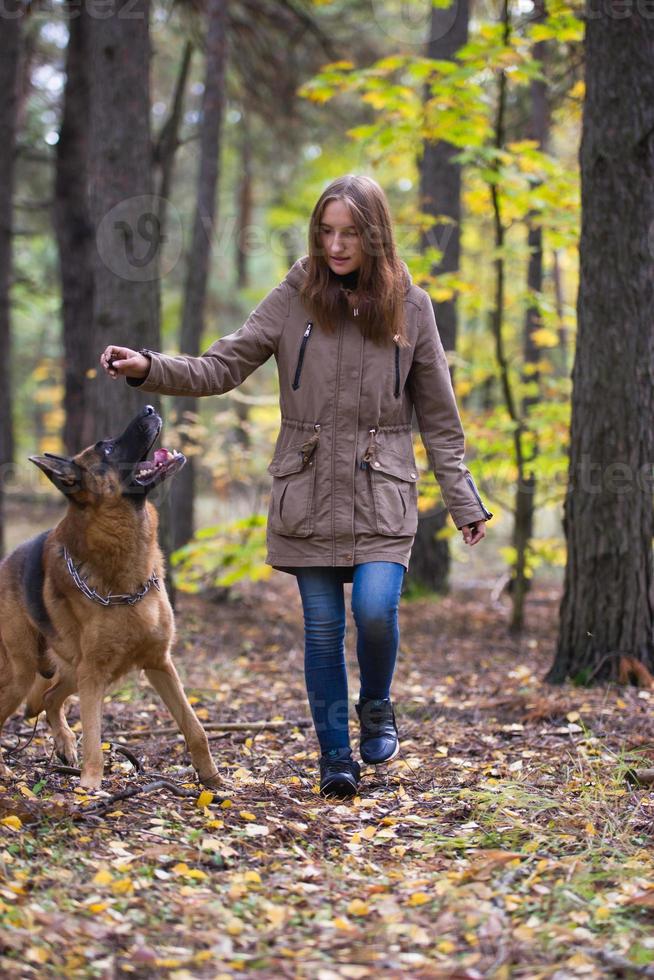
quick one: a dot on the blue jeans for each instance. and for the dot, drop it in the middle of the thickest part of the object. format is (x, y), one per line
(376, 588)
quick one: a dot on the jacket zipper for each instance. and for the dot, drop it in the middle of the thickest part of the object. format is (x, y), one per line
(397, 372)
(300, 357)
(472, 486)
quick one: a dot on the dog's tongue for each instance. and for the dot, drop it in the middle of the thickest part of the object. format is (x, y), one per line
(161, 456)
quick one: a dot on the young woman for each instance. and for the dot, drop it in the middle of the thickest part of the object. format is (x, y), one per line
(357, 351)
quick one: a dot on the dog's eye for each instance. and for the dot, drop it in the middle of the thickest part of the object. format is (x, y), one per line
(108, 450)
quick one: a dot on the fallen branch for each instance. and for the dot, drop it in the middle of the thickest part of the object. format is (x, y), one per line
(215, 726)
(103, 806)
(640, 777)
(617, 962)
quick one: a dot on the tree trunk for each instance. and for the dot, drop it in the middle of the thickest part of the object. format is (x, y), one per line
(122, 205)
(74, 232)
(244, 206)
(10, 40)
(523, 528)
(607, 608)
(213, 101)
(440, 194)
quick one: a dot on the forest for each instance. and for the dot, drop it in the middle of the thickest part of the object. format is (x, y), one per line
(159, 165)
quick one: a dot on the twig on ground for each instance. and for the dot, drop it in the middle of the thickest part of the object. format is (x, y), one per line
(104, 806)
(215, 726)
(617, 961)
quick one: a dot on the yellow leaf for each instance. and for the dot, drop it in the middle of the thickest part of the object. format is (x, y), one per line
(123, 886)
(13, 822)
(602, 913)
(340, 923)
(276, 914)
(446, 946)
(226, 804)
(214, 824)
(26, 791)
(253, 876)
(103, 877)
(181, 869)
(196, 873)
(418, 898)
(544, 337)
(96, 907)
(357, 907)
(234, 927)
(204, 799)
(369, 832)
(573, 716)
(590, 829)
(247, 815)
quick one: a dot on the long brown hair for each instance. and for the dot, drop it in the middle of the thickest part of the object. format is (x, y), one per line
(379, 295)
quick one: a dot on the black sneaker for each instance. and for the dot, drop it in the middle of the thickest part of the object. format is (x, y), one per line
(339, 773)
(378, 742)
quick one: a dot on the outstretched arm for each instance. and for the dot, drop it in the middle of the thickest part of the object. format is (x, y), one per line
(225, 365)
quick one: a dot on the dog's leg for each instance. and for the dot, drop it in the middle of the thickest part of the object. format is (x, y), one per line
(167, 684)
(18, 674)
(91, 692)
(53, 701)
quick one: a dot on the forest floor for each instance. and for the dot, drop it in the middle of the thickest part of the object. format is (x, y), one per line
(505, 841)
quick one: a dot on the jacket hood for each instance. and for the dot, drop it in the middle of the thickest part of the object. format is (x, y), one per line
(298, 271)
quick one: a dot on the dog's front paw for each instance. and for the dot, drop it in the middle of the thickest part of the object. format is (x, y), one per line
(212, 782)
(66, 749)
(89, 780)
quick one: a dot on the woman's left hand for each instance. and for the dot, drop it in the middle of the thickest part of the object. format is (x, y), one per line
(472, 533)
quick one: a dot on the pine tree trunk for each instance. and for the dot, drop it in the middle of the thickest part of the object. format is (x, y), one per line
(10, 40)
(74, 233)
(607, 608)
(183, 489)
(122, 205)
(440, 194)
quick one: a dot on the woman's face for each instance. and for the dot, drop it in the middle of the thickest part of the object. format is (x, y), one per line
(339, 238)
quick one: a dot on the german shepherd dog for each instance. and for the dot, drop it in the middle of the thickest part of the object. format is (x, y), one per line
(82, 604)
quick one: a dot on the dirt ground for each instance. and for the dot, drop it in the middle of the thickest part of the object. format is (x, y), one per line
(505, 841)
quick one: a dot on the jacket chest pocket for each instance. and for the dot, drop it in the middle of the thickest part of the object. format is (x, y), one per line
(291, 509)
(393, 483)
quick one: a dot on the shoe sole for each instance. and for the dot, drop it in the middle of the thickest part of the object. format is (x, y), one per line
(341, 789)
(383, 762)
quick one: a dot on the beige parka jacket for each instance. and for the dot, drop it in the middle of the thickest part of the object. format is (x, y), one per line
(344, 477)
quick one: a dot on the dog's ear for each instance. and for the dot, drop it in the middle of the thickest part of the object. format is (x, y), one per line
(64, 473)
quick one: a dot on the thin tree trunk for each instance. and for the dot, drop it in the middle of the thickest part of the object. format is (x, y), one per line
(213, 102)
(74, 232)
(523, 528)
(440, 194)
(10, 40)
(557, 277)
(123, 209)
(168, 141)
(607, 611)
(244, 206)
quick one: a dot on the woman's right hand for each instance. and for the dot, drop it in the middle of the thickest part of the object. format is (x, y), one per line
(124, 362)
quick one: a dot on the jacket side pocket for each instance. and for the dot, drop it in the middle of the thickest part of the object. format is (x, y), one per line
(393, 482)
(291, 510)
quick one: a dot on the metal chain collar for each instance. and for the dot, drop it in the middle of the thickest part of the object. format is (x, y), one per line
(108, 600)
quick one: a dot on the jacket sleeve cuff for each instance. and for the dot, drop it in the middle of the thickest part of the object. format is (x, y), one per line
(463, 517)
(152, 380)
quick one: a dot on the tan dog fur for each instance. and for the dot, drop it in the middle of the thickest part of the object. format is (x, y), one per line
(90, 646)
